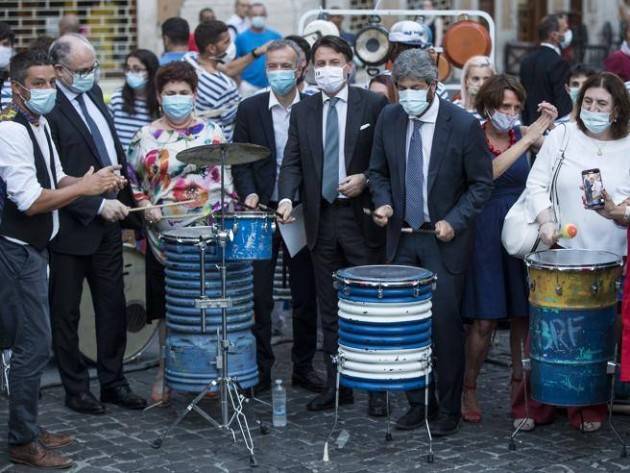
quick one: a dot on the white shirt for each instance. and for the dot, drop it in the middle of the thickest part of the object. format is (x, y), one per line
(280, 117)
(552, 46)
(17, 165)
(594, 231)
(240, 24)
(427, 131)
(342, 113)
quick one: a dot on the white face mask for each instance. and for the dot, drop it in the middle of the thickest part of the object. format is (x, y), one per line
(330, 78)
(566, 39)
(5, 56)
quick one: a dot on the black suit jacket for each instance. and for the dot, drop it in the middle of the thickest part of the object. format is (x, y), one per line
(544, 74)
(254, 124)
(459, 178)
(80, 228)
(304, 157)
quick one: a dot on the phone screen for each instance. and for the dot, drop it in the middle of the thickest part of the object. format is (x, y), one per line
(593, 188)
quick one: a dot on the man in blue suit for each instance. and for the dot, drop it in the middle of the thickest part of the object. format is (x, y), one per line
(431, 172)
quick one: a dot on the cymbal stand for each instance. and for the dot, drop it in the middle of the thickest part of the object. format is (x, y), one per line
(526, 369)
(612, 370)
(228, 387)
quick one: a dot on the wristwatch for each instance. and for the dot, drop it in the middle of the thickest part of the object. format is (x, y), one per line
(253, 53)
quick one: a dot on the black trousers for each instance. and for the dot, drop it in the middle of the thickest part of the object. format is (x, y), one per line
(340, 244)
(420, 249)
(104, 273)
(304, 304)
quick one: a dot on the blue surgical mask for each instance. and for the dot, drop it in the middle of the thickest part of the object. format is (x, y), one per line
(42, 101)
(595, 122)
(414, 102)
(573, 93)
(136, 80)
(82, 82)
(259, 22)
(503, 122)
(177, 107)
(281, 82)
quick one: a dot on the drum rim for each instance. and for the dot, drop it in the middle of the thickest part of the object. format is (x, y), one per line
(385, 284)
(168, 236)
(618, 262)
(254, 214)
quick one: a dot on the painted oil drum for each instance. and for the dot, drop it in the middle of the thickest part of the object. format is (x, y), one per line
(572, 315)
(384, 327)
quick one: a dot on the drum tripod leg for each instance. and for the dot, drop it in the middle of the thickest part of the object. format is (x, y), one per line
(526, 368)
(612, 368)
(326, 458)
(388, 435)
(426, 415)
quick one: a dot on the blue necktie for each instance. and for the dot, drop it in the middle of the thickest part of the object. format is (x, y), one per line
(96, 134)
(414, 180)
(330, 177)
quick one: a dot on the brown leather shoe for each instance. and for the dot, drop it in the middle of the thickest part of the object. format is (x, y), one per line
(34, 454)
(52, 441)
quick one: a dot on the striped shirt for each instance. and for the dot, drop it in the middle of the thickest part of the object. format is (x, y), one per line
(127, 125)
(217, 96)
(5, 94)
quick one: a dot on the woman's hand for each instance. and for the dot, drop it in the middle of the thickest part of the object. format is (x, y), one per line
(151, 215)
(548, 233)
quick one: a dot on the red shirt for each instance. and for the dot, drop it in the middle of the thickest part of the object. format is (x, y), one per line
(192, 46)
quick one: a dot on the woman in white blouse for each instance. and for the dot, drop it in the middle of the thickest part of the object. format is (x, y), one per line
(597, 139)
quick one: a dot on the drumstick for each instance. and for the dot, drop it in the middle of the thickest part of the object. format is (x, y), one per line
(405, 229)
(262, 207)
(172, 204)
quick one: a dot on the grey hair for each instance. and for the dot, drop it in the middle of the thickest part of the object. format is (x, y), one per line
(61, 49)
(415, 64)
(287, 43)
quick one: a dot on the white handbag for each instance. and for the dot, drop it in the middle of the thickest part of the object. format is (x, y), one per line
(519, 236)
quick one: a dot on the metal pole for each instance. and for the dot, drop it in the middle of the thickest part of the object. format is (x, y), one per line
(202, 262)
(224, 335)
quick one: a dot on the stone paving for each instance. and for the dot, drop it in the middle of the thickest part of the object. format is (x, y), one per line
(119, 441)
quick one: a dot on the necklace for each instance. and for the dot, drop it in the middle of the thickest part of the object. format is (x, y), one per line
(600, 149)
(493, 149)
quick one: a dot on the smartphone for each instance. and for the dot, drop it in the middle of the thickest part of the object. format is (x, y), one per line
(593, 188)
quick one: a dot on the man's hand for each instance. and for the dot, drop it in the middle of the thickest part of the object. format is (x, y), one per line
(382, 215)
(251, 201)
(444, 231)
(114, 171)
(284, 210)
(113, 210)
(98, 183)
(353, 185)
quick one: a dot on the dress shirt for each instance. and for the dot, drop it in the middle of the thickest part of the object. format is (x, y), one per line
(552, 46)
(427, 131)
(280, 117)
(342, 113)
(17, 165)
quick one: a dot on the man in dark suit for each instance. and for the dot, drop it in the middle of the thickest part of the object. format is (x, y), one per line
(89, 243)
(327, 156)
(544, 72)
(264, 120)
(431, 172)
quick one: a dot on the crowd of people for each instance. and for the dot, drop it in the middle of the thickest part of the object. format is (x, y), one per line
(389, 172)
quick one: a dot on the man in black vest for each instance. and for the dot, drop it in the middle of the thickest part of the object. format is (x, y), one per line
(36, 188)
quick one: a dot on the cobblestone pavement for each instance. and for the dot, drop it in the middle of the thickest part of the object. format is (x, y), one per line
(119, 441)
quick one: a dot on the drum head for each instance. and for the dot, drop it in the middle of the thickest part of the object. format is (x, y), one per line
(372, 45)
(189, 234)
(384, 275)
(464, 40)
(570, 259)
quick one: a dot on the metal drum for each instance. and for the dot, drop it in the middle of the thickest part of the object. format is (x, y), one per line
(191, 354)
(384, 327)
(572, 298)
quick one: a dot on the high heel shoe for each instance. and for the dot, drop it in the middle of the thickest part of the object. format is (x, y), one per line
(470, 413)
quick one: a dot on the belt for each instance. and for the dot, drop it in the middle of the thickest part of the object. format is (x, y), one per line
(424, 226)
(337, 203)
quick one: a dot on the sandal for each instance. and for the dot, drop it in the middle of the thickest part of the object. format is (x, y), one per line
(525, 424)
(470, 414)
(160, 393)
(589, 427)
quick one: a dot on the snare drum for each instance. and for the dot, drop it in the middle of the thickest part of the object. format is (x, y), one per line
(384, 327)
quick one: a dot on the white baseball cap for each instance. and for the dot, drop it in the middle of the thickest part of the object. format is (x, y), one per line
(318, 28)
(411, 33)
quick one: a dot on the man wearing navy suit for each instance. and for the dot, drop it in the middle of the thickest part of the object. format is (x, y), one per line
(431, 172)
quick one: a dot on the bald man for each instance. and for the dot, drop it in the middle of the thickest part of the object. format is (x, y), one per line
(69, 23)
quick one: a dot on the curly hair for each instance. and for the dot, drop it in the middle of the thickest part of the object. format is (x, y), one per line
(490, 95)
(177, 71)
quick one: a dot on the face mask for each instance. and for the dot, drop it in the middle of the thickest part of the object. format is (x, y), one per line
(330, 78)
(566, 40)
(573, 93)
(42, 101)
(259, 22)
(136, 80)
(281, 82)
(473, 89)
(502, 121)
(82, 82)
(595, 122)
(177, 107)
(230, 54)
(414, 102)
(5, 56)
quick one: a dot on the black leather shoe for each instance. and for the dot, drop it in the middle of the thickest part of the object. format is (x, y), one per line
(414, 418)
(377, 404)
(445, 425)
(309, 380)
(85, 403)
(326, 399)
(124, 397)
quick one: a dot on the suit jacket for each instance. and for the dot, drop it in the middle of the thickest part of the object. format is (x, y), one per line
(304, 157)
(459, 178)
(254, 124)
(544, 74)
(80, 228)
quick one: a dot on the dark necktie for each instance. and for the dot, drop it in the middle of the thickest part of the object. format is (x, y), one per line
(330, 178)
(95, 132)
(414, 180)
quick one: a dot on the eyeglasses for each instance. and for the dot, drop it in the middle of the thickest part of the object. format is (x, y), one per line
(83, 72)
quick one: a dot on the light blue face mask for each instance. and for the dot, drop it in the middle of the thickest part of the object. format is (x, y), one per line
(42, 101)
(595, 122)
(281, 82)
(259, 22)
(573, 93)
(177, 107)
(82, 82)
(414, 102)
(136, 80)
(502, 121)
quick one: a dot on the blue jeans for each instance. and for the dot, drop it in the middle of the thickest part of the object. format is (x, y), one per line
(25, 323)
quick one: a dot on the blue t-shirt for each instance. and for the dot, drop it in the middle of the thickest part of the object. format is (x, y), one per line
(245, 42)
(171, 56)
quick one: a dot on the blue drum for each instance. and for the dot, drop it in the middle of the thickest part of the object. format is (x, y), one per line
(384, 327)
(572, 317)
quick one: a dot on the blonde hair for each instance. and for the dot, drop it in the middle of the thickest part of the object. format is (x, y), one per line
(475, 61)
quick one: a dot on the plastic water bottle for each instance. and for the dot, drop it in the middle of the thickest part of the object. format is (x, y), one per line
(279, 401)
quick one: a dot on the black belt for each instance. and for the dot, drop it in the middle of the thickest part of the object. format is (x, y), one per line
(337, 203)
(425, 226)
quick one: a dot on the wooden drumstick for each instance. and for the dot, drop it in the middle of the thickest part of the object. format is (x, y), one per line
(172, 204)
(404, 229)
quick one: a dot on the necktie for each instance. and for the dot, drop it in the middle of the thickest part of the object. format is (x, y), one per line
(330, 178)
(414, 180)
(95, 132)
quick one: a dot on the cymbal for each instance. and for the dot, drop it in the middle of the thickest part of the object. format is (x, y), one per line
(235, 153)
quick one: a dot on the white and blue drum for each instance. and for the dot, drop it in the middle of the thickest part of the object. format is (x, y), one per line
(384, 327)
